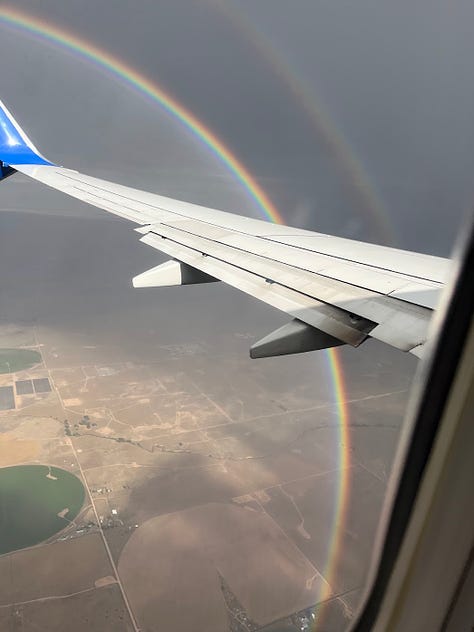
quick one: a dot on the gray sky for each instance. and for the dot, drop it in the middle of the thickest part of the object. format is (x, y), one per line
(395, 78)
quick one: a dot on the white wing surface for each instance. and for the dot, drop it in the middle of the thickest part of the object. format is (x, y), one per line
(337, 291)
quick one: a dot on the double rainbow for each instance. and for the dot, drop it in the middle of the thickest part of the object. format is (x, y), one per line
(46, 32)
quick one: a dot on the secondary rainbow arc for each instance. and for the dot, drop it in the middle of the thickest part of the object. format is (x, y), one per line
(346, 161)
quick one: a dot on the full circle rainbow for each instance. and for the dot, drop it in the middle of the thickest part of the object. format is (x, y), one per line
(46, 32)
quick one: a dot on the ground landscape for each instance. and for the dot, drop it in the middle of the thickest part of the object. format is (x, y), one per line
(220, 494)
(209, 490)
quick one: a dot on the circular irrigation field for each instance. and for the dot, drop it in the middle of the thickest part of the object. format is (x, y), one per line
(13, 360)
(36, 501)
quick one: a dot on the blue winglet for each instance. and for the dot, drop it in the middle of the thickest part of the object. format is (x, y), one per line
(15, 146)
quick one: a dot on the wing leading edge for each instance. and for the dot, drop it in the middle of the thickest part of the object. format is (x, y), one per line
(337, 291)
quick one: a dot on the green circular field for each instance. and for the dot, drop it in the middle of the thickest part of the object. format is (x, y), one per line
(13, 360)
(36, 502)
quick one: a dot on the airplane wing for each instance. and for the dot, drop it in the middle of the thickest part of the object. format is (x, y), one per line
(336, 291)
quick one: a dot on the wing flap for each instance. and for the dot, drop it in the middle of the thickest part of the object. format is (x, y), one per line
(327, 318)
(408, 331)
(331, 309)
(353, 274)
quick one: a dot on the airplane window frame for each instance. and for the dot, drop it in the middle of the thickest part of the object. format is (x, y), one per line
(436, 377)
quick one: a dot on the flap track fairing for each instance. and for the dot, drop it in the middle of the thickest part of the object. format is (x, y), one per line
(294, 337)
(171, 273)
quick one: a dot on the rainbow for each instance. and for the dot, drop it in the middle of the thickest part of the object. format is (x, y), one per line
(16, 19)
(59, 37)
(343, 483)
